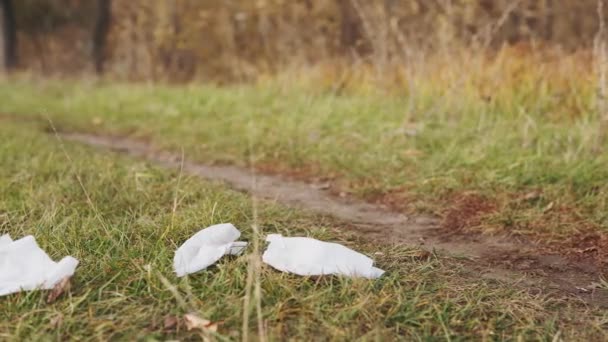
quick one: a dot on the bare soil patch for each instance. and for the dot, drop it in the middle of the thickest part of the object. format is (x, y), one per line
(467, 211)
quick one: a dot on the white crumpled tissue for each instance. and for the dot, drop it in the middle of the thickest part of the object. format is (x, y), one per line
(206, 247)
(24, 266)
(307, 257)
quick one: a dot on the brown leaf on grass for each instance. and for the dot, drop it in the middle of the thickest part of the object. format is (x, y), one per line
(195, 322)
(56, 321)
(532, 195)
(322, 186)
(421, 254)
(548, 207)
(170, 322)
(591, 249)
(412, 152)
(63, 286)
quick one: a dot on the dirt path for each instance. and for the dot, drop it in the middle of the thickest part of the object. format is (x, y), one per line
(497, 258)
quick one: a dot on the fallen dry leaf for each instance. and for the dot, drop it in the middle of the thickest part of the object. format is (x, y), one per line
(533, 195)
(583, 289)
(195, 322)
(548, 207)
(421, 255)
(321, 186)
(63, 286)
(56, 321)
(170, 322)
(412, 153)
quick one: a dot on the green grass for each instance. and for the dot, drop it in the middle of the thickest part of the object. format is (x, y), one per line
(533, 138)
(126, 235)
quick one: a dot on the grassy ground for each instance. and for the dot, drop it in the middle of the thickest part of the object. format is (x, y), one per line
(137, 215)
(531, 148)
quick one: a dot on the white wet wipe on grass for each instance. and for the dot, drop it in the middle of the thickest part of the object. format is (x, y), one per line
(310, 257)
(206, 247)
(299, 255)
(24, 266)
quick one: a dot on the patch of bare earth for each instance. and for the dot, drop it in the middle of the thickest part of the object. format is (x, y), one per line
(502, 258)
(467, 210)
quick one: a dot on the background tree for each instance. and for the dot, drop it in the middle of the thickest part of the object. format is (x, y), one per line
(350, 26)
(8, 35)
(100, 33)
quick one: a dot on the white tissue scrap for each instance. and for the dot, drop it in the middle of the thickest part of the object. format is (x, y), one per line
(24, 266)
(307, 257)
(206, 247)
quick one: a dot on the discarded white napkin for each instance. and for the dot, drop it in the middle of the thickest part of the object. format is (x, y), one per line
(24, 266)
(206, 247)
(307, 256)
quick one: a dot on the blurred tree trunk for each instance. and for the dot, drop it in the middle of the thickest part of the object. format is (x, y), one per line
(350, 26)
(100, 34)
(550, 17)
(8, 36)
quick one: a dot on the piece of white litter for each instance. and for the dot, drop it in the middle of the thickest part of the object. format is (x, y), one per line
(206, 247)
(306, 257)
(24, 266)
